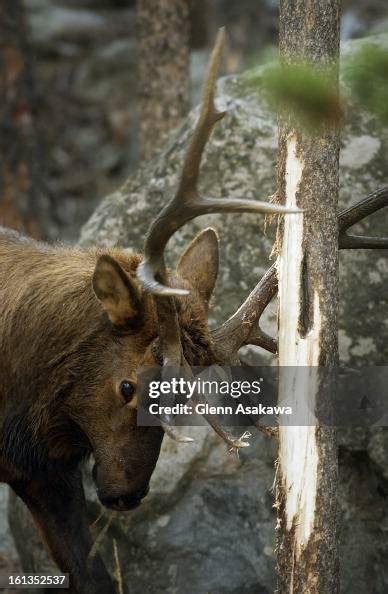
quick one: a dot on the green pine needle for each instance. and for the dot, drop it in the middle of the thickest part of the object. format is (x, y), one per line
(305, 92)
(366, 74)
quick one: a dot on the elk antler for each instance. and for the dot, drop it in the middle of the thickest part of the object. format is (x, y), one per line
(242, 327)
(354, 214)
(183, 207)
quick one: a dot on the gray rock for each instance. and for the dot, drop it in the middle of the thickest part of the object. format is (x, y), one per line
(6, 541)
(50, 23)
(208, 523)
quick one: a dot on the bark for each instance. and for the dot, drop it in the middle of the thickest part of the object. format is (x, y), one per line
(163, 35)
(308, 284)
(199, 21)
(21, 196)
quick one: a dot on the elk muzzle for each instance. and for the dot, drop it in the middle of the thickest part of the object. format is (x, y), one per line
(114, 498)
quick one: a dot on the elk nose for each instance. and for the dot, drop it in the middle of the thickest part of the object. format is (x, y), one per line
(124, 502)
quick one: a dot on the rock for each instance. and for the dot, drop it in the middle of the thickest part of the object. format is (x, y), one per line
(50, 24)
(362, 18)
(6, 542)
(208, 523)
(9, 558)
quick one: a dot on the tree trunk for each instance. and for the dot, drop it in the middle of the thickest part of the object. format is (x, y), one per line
(164, 69)
(308, 285)
(199, 22)
(21, 197)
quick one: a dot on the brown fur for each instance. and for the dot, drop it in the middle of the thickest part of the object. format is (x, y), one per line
(74, 325)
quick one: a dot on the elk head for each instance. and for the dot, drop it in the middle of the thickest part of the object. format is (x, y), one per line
(104, 333)
(125, 453)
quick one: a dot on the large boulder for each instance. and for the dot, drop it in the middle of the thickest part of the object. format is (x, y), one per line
(208, 523)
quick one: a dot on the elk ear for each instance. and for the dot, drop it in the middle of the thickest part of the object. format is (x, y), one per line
(117, 292)
(199, 263)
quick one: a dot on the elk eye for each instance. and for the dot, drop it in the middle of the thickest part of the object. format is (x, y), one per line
(127, 390)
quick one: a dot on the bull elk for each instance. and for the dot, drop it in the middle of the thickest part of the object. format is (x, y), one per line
(76, 326)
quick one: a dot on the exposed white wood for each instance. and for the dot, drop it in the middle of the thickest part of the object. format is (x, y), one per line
(298, 453)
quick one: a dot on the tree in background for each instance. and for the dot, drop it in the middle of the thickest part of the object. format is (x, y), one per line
(164, 69)
(22, 200)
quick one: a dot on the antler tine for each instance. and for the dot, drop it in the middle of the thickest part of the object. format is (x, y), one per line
(356, 213)
(187, 203)
(169, 333)
(174, 435)
(212, 420)
(263, 340)
(171, 347)
(209, 116)
(241, 328)
(232, 442)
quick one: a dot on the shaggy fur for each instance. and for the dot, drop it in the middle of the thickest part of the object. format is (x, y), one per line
(74, 325)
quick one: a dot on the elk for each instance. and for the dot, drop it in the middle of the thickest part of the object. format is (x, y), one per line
(76, 326)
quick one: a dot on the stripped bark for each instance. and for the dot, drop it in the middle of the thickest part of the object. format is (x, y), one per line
(308, 281)
(164, 69)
